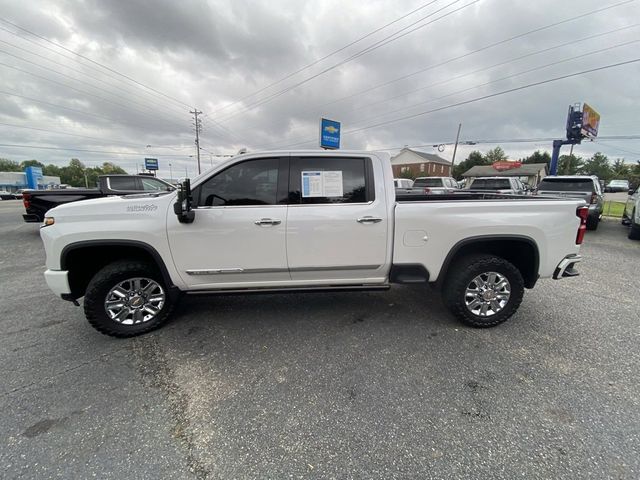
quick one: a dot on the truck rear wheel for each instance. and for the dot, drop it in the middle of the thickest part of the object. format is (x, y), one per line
(483, 290)
(127, 298)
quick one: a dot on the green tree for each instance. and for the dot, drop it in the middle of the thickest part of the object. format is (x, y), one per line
(52, 170)
(598, 165)
(538, 157)
(620, 169)
(474, 158)
(569, 165)
(7, 165)
(31, 163)
(495, 155)
(109, 168)
(73, 174)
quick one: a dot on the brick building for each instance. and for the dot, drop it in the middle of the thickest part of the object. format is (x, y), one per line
(420, 164)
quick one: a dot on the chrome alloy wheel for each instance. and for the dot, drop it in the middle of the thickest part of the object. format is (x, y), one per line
(136, 300)
(487, 294)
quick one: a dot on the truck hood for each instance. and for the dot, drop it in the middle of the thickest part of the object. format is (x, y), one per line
(146, 203)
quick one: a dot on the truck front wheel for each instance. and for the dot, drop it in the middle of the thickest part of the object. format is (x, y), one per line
(483, 290)
(127, 298)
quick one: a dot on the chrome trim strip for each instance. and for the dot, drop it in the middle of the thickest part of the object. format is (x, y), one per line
(218, 271)
(341, 267)
(285, 289)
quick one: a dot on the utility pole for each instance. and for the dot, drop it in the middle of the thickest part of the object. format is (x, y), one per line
(170, 174)
(195, 112)
(455, 148)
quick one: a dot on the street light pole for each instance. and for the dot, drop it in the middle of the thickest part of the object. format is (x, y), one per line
(455, 148)
(170, 173)
(195, 112)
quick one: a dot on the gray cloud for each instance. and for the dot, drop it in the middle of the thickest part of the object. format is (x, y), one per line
(210, 54)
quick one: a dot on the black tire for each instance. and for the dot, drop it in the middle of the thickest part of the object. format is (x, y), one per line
(108, 278)
(461, 275)
(592, 222)
(634, 231)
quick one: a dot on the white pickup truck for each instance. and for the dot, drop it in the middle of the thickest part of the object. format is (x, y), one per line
(304, 221)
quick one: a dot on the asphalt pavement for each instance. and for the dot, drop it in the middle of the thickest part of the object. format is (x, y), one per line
(350, 385)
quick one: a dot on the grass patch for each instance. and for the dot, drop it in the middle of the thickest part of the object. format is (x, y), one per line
(613, 209)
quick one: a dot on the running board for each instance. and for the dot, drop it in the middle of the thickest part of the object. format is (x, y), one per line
(328, 288)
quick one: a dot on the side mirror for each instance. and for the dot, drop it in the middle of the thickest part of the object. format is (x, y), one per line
(183, 206)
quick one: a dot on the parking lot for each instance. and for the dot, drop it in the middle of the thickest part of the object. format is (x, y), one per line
(350, 385)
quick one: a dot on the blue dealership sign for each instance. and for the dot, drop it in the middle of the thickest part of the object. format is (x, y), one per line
(151, 164)
(329, 133)
(34, 177)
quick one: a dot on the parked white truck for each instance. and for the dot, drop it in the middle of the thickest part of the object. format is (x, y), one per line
(304, 221)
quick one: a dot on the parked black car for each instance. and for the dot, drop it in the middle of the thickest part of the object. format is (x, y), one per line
(38, 202)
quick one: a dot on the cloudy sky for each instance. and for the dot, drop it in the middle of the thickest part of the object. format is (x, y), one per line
(117, 79)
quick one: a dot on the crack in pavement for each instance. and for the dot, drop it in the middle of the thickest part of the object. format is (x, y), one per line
(155, 370)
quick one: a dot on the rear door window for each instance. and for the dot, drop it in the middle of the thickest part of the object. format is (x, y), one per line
(428, 182)
(323, 180)
(123, 184)
(491, 184)
(566, 185)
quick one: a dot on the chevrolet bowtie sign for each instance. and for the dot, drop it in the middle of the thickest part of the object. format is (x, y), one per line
(329, 133)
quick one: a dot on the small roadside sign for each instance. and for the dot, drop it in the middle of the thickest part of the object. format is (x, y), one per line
(329, 134)
(151, 164)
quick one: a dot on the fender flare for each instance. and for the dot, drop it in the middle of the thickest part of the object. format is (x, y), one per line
(529, 283)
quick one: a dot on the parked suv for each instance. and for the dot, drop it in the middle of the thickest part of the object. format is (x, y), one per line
(510, 185)
(576, 186)
(436, 185)
(631, 214)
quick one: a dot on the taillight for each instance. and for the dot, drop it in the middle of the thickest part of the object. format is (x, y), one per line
(26, 200)
(594, 198)
(582, 213)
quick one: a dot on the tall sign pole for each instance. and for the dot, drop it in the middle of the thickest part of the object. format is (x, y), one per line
(581, 124)
(195, 112)
(455, 148)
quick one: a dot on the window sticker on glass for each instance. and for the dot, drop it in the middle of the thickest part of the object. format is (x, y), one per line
(322, 184)
(332, 183)
(312, 184)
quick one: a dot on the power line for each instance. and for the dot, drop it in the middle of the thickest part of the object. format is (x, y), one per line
(58, 132)
(315, 62)
(431, 100)
(94, 62)
(478, 50)
(54, 105)
(530, 70)
(495, 142)
(484, 97)
(13, 145)
(616, 147)
(369, 49)
(84, 92)
(168, 107)
(505, 62)
(93, 77)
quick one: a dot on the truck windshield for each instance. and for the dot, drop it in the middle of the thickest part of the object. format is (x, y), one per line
(566, 185)
(428, 182)
(490, 184)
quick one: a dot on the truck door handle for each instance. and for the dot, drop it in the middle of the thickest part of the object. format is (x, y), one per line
(267, 221)
(369, 219)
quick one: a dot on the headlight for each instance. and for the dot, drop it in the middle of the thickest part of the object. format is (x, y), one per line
(48, 221)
